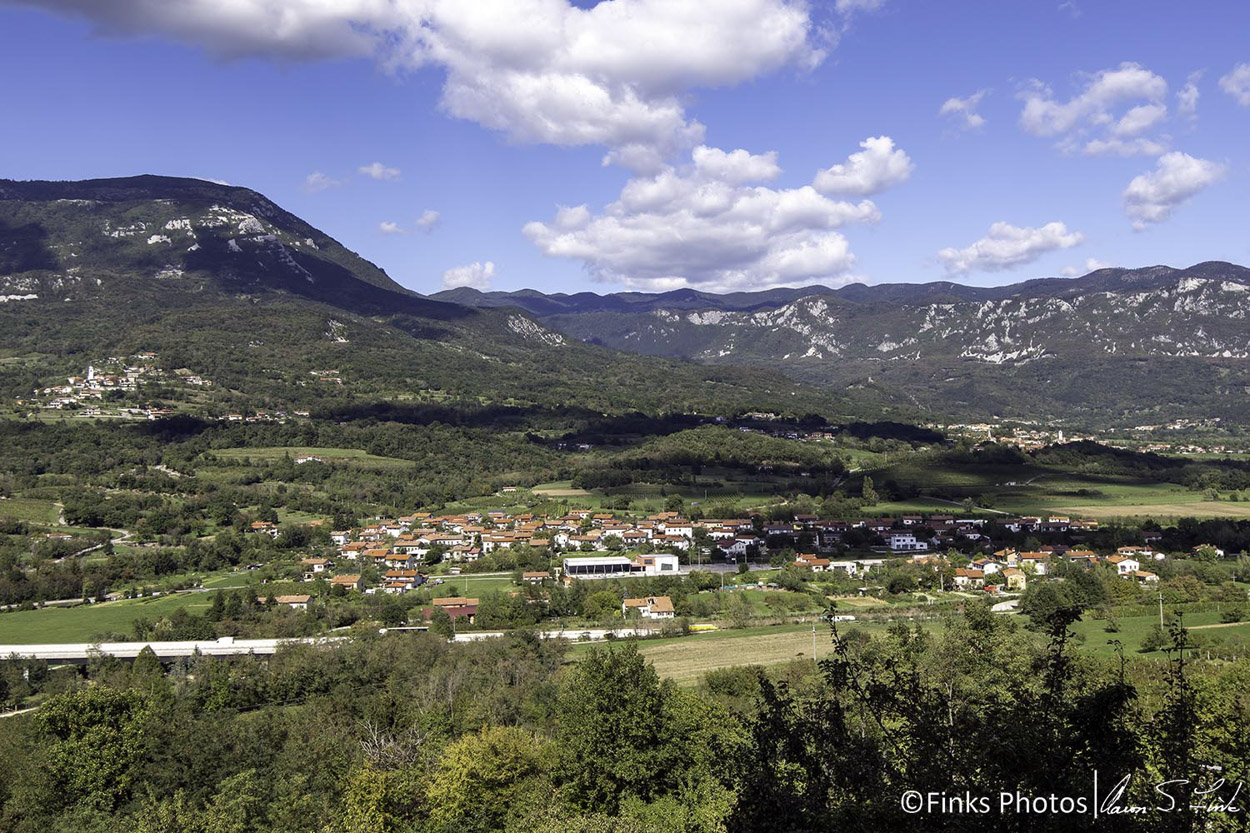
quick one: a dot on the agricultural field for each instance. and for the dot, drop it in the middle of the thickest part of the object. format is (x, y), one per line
(29, 509)
(350, 456)
(685, 659)
(1036, 490)
(87, 622)
(1161, 511)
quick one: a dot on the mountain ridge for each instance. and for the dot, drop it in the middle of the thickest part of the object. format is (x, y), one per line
(1105, 279)
(222, 281)
(1089, 348)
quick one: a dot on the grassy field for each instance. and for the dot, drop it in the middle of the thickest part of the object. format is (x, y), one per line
(1194, 508)
(1133, 630)
(712, 486)
(290, 516)
(471, 585)
(685, 659)
(28, 509)
(81, 624)
(559, 488)
(1034, 490)
(921, 505)
(350, 456)
(227, 581)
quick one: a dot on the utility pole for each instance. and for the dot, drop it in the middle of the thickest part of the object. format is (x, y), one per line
(814, 642)
(1160, 609)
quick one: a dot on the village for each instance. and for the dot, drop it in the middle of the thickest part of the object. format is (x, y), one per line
(101, 391)
(107, 382)
(861, 556)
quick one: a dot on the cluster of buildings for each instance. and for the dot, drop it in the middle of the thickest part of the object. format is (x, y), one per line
(1025, 435)
(264, 416)
(599, 545)
(617, 546)
(1010, 569)
(464, 538)
(119, 373)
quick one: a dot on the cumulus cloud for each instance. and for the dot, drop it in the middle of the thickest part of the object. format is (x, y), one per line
(429, 219)
(1237, 84)
(389, 227)
(874, 169)
(709, 224)
(1151, 197)
(1091, 265)
(736, 166)
(476, 275)
(964, 110)
(1110, 114)
(317, 181)
(1007, 246)
(616, 74)
(378, 171)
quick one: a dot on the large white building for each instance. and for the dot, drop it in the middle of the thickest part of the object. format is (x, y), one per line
(620, 566)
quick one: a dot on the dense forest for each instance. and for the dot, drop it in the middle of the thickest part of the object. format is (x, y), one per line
(410, 733)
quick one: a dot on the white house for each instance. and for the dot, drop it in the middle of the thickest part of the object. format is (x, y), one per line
(740, 545)
(1124, 565)
(906, 542)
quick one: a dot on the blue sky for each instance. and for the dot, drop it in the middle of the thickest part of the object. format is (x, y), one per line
(652, 144)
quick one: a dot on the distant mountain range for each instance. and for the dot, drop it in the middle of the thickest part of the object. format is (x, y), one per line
(221, 280)
(1133, 345)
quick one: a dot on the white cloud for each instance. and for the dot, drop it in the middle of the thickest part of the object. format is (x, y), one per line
(1119, 105)
(1188, 95)
(1237, 84)
(878, 167)
(378, 171)
(851, 6)
(1007, 246)
(1140, 146)
(388, 227)
(965, 110)
(617, 74)
(735, 166)
(429, 219)
(1139, 119)
(476, 275)
(1177, 176)
(317, 181)
(709, 224)
(1091, 265)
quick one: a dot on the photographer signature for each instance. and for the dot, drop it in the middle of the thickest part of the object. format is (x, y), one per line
(1219, 797)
